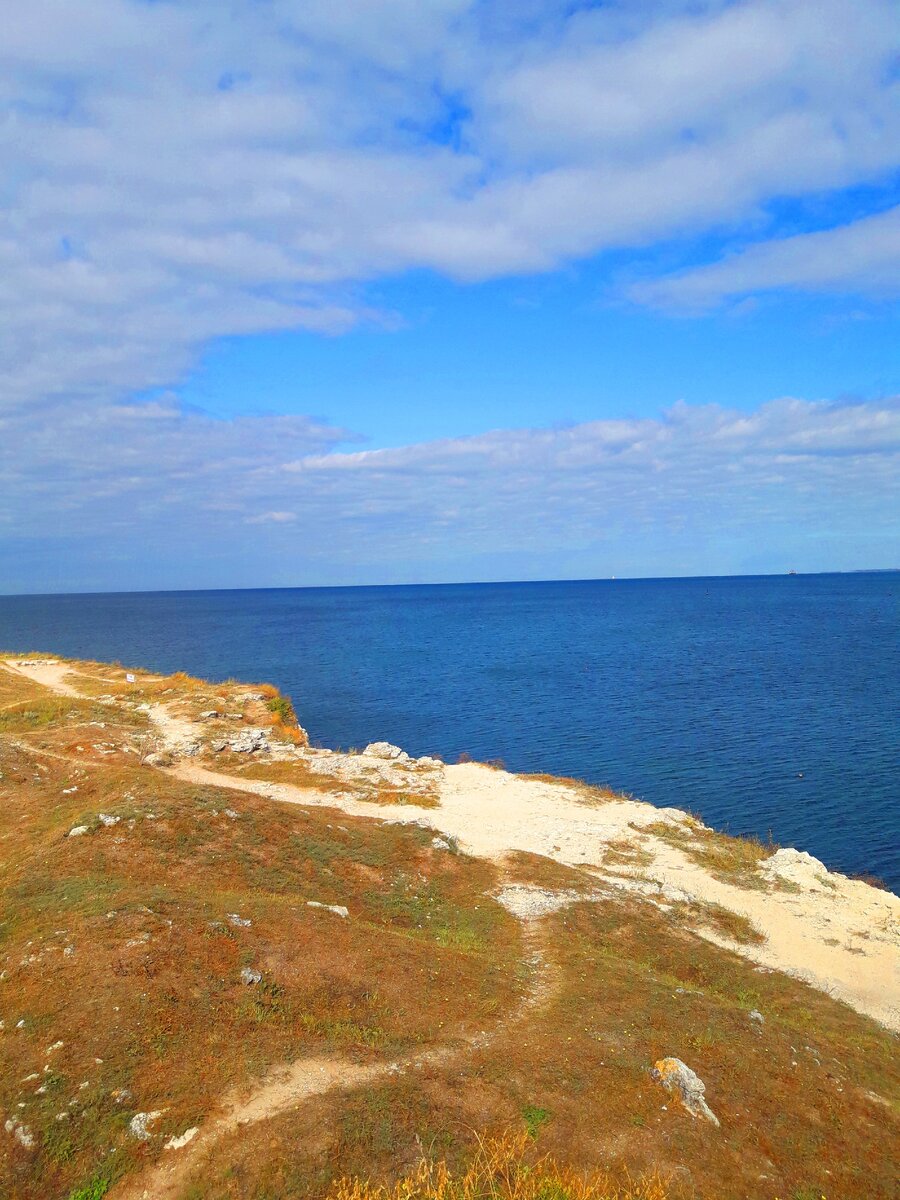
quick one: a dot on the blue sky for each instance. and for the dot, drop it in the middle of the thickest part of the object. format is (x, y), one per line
(467, 289)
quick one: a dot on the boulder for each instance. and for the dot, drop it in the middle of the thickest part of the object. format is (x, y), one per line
(386, 750)
(678, 1078)
(797, 867)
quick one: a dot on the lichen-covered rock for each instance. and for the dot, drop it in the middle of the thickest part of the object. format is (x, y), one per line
(139, 1125)
(249, 976)
(78, 831)
(678, 1078)
(21, 1133)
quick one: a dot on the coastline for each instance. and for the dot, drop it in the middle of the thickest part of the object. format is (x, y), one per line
(838, 934)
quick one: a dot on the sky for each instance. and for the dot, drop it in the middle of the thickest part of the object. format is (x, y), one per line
(303, 293)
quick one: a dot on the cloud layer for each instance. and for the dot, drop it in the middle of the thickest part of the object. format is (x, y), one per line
(171, 176)
(268, 500)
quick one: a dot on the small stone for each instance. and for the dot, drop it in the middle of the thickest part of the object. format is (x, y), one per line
(210, 715)
(238, 921)
(176, 1143)
(231, 814)
(24, 1136)
(678, 1078)
(755, 1015)
(78, 830)
(219, 745)
(107, 820)
(439, 843)
(338, 909)
(249, 976)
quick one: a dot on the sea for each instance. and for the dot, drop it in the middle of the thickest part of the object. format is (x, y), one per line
(765, 704)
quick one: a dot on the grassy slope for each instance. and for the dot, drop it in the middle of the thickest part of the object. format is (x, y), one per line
(152, 1014)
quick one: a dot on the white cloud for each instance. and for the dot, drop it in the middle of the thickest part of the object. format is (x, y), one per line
(171, 176)
(861, 257)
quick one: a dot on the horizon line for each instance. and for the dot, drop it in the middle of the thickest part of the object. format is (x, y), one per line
(334, 587)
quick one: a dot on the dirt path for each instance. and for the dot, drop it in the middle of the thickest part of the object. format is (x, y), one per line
(46, 672)
(288, 1087)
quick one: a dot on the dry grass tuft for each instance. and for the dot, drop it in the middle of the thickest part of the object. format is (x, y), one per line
(734, 860)
(624, 852)
(721, 920)
(502, 1168)
(523, 867)
(584, 793)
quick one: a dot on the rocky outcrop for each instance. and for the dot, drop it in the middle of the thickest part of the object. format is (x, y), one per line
(678, 1078)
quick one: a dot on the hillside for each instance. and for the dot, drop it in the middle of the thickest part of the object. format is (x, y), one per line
(233, 965)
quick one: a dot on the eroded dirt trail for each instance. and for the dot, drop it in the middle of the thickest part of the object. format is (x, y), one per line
(46, 672)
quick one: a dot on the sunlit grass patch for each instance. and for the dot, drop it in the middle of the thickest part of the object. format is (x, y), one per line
(536, 870)
(503, 1167)
(734, 860)
(584, 793)
(61, 711)
(626, 852)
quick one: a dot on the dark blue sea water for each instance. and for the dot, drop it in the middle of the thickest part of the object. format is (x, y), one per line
(709, 694)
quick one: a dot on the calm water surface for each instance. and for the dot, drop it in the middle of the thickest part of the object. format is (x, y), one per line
(709, 694)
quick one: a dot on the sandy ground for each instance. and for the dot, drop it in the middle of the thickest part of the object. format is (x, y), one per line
(839, 934)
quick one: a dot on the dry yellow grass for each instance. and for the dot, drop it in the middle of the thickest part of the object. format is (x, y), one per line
(502, 1168)
(734, 860)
